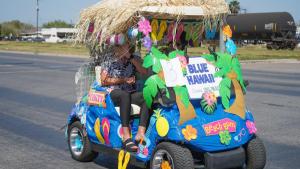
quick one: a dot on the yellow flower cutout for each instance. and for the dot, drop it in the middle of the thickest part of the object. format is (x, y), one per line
(189, 133)
(227, 31)
(165, 165)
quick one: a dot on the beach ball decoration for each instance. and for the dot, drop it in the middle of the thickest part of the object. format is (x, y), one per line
(208, 103)
(118, 39)
(132, 33)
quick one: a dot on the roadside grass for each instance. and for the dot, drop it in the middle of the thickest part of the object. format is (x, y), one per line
(49, 48)
(244, 53)
(256, 53)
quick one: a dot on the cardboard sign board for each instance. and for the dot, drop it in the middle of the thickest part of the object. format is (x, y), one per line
(173, 72)
(96, 98)
(200, 78)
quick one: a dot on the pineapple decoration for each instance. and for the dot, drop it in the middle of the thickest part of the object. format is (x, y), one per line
(209, 103)
(162, 124)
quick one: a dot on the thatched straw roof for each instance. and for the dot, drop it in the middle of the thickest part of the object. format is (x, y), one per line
(116, 16)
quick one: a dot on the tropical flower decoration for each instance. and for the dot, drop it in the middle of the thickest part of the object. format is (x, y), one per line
(225, 137)
(147, 42)
(227, 31)
(183, 63)
(209, 102)
(146, 151)
(189, 133)
(165, 165)
(231, 47)
(251, 127)
(144, 26)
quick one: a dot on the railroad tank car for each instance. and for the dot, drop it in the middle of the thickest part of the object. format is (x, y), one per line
(277, 29)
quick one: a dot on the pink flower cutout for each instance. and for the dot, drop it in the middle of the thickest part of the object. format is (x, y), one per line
(210, 98)
(144, 26)
(146, 151)
(182, 60)
(251, 127)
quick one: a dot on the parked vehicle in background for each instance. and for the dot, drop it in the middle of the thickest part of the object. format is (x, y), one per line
(58, 35)
(38, 39)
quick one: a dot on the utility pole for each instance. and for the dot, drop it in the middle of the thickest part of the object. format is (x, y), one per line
(37, 18)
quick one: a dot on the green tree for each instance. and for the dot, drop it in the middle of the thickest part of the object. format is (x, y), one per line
(234, 6)
(57, 24)
(14, 28)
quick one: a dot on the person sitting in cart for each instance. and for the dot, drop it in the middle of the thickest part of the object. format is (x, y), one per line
(118, 75)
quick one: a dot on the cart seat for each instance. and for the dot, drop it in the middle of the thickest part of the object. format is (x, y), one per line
(135, 110)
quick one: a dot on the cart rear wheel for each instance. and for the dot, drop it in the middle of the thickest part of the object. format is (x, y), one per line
(79, 145)
(256, 154)
(173, 156)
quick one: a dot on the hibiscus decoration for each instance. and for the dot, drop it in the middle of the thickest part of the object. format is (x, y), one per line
(146, 151)
(144, 26)
(210, 98)
(189, 133)
(165, 165)
(251, 127)
(225, 137)
(147, 42)
(209, 102)
(227, 31)
(183, 63)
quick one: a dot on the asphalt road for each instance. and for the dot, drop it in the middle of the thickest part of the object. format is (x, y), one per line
(37, 93)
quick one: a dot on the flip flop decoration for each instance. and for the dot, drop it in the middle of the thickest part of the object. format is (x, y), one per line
(106, 128)
(158, 36)
(171, 32)
(97, 131)
(189, 32)
(197, 32)
(210, 31)
(126, 159)
(180, 29)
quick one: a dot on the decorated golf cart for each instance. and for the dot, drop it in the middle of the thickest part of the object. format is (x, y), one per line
(199, 112)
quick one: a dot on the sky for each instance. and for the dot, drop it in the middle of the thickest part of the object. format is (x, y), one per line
(69, 10)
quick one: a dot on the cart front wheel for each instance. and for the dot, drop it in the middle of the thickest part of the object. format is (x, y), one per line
(169, 155)
(256, 154)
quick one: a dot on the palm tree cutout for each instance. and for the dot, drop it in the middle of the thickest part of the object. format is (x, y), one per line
(157, 81)
(231, 73)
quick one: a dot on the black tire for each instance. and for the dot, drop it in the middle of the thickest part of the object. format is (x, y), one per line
(182, 157)
(87, 153)
(256, 154)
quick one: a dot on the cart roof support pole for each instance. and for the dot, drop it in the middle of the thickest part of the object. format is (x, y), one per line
(221, 40)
